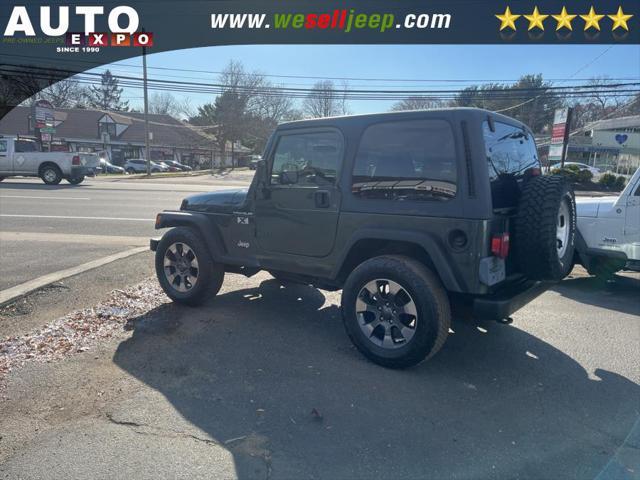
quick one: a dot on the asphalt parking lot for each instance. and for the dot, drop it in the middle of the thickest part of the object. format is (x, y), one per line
(262, 382)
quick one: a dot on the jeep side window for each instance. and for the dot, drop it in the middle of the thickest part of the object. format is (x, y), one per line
(309, 159)
(510, 150)
(3, 148)
(408, 160)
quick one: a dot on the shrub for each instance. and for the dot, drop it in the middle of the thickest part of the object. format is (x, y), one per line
(567, 172)
(585, 176)
(619, 183)
(608, 180)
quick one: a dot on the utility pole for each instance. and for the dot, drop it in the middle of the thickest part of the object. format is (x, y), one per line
(565, 145)
(146, 109)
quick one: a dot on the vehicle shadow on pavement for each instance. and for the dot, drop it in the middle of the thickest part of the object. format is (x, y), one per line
(269, 373)
(620, 295)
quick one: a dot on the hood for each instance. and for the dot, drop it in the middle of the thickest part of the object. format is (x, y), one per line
(592, 206)
(220, 201)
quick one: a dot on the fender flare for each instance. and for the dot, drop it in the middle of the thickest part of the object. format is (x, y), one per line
(198, 221)
(432, 247)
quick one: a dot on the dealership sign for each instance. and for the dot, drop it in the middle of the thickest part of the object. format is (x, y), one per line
(559, 134)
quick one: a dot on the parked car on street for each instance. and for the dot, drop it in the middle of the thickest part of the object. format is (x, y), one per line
(22, 157)
(408, 213)
(107, 167)
(139, 165)
(608, 237)
(169, 167)
(178, 165)
(582, 166)
(253, 162)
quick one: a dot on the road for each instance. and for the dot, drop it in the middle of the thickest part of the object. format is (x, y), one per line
(262, 383)
(45, 229)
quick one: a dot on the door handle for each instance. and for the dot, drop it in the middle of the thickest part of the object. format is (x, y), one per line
(322, 199)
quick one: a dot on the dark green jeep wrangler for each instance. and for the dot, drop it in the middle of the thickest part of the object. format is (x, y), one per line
(409, 213)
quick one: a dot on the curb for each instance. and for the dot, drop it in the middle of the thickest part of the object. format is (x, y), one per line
(14, 293)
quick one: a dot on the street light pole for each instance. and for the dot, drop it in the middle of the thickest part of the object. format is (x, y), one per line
(146, 109)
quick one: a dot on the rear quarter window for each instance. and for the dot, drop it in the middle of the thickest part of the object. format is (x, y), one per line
(511, 155)
(406, 160)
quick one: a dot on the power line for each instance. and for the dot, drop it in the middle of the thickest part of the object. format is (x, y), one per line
(308, 77)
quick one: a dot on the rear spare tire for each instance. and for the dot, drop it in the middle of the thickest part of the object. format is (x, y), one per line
(544, 228)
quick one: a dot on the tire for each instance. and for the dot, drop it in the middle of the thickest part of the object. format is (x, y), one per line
(208, 274)
(604, 267)
(130, 171)
(51, 175)
(544, 228)
(76, 180)
(423, 334)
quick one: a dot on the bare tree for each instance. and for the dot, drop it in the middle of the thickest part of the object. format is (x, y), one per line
(64, 94)
(165, 103)
(325, 100)
(417, 103)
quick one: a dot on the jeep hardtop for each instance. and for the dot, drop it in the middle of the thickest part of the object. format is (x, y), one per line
(406, 212)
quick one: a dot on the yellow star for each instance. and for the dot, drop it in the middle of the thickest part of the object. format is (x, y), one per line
(535, 19)
(592, 19)
(507, 19)
(564, 19)
(620, 19)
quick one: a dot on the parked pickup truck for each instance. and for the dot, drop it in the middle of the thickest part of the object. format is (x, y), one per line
(22, 157)
(608, 237)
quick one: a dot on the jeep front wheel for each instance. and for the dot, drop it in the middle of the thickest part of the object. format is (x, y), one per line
(185, 269)
(395, 311)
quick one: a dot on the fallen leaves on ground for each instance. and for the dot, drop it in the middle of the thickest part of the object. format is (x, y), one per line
(80, 330)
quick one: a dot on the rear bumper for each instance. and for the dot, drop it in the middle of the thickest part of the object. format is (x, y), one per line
(503, 304)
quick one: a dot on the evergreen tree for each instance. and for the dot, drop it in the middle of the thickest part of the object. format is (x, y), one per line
(107, 95)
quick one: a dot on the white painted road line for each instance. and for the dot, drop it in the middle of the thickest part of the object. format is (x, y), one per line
(44, 198)
(74, 238)
(13, 293)
(70, 217)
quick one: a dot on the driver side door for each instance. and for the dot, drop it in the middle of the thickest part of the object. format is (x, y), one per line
(297, 210)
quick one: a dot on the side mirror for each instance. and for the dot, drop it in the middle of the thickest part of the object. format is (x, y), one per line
(289, 177)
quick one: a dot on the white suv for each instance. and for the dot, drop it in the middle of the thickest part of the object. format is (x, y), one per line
(139, 165)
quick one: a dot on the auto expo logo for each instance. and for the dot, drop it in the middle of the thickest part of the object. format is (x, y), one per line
(123, 22)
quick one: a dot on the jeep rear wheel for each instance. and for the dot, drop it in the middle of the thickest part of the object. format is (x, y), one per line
(544, 228)
(185, 269)
(395, 311)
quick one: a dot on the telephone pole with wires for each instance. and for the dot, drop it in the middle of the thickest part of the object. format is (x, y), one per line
(147, 148)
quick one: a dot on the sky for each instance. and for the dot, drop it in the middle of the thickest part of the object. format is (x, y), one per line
(472, 63)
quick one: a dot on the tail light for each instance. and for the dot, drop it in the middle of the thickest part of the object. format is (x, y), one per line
(500, 245)
(75, 160)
